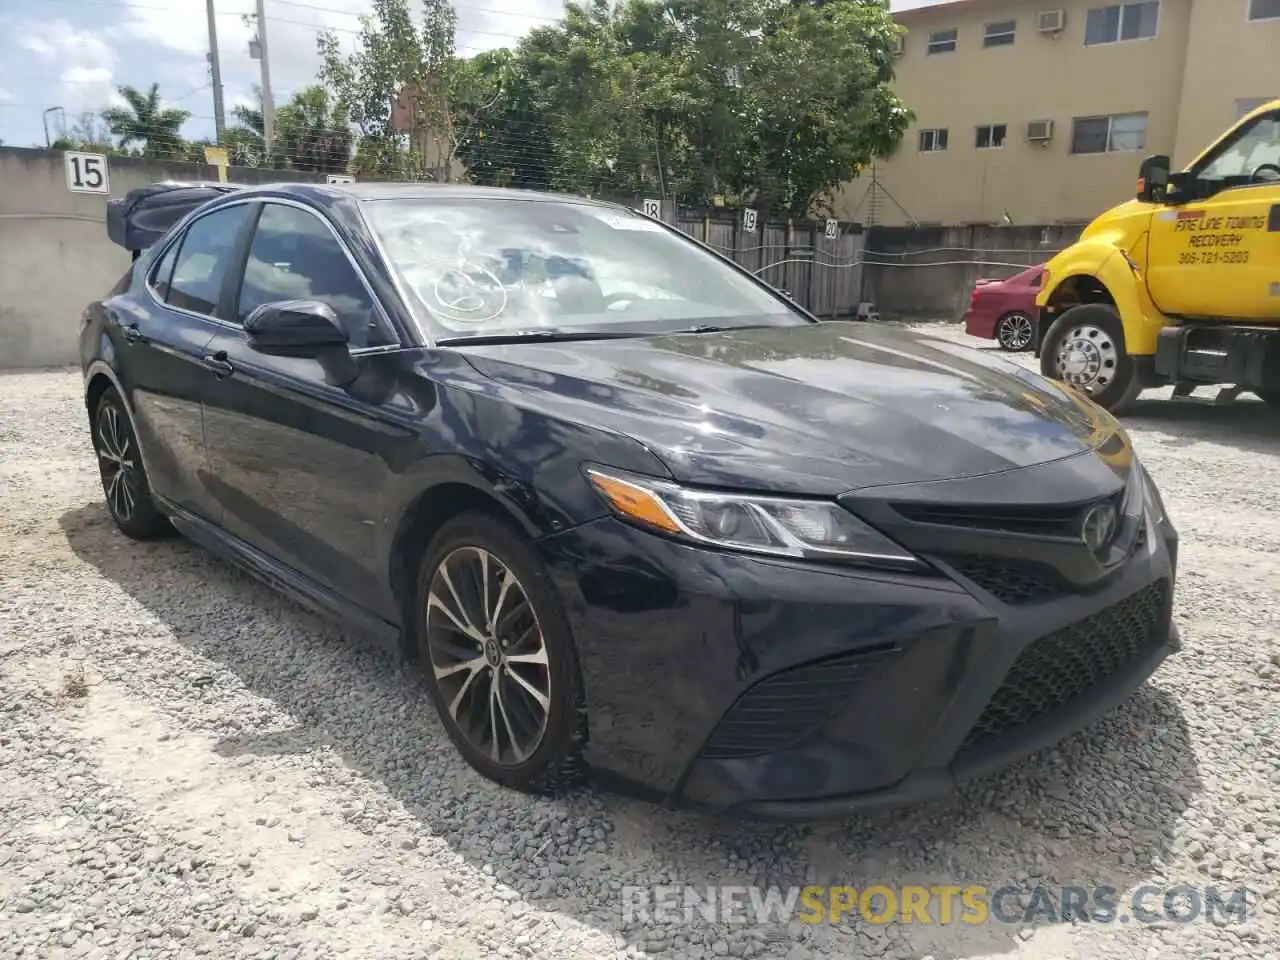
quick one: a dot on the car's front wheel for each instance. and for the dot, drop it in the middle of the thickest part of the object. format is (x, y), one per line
(498, 656)
(1014, 331)
(1085, 348)
(124, 479)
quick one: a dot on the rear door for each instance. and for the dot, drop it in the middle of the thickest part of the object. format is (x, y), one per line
(161, 357)
(301, 464)
(1220, 256)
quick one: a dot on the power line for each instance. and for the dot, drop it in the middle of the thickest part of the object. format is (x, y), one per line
(239, 14)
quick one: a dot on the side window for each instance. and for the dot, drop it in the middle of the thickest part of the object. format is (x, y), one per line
(161, 275)
(294, 256)
(204, 259)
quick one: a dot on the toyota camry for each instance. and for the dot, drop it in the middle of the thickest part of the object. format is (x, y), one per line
(633, 512)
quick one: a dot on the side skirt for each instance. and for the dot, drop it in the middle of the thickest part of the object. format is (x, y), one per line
(302, 589)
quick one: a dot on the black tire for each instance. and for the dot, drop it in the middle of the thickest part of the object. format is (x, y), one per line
(554, 761)
(1015, 331)
(124, 477)
(1113, 381)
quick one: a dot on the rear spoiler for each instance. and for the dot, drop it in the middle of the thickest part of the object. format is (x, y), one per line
(145, 214)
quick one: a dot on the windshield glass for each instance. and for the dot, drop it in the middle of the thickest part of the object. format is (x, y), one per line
(484, 267)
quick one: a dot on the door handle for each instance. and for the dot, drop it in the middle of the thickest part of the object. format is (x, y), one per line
(218, 363)
(132, 334)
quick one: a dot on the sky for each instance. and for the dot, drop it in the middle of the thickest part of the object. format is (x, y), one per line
(73, 54)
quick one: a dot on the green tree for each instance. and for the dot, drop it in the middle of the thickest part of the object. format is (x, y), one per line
(147, 123)
(89, 133)
(501, 139)
(310, 134)
(771, 102)
(394, 61)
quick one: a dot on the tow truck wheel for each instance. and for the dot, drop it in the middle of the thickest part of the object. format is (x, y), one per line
(1085, 348)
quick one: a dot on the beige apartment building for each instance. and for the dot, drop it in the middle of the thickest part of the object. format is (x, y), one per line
(1043, 109)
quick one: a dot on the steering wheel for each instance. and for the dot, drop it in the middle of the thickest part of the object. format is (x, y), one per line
(1271, 167)
(622, 296)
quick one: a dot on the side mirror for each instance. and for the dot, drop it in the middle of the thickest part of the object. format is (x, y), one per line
(1153, 179)
(294, 328)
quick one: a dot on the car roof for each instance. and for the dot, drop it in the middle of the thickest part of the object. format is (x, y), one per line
(413, 191)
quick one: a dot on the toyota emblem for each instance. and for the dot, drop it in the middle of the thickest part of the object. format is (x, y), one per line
(1098, 525)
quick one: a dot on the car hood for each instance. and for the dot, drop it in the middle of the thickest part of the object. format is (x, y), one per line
(822, 409)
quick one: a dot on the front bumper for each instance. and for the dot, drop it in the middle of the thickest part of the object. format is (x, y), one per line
(785, 690)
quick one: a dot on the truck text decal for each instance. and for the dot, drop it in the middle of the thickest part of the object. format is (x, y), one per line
(1206, 233)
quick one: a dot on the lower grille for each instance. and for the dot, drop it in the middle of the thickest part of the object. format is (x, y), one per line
(1010, 581)
(1057, 670)
(784, 707)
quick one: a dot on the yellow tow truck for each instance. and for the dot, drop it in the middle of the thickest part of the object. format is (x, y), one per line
(1180, 285)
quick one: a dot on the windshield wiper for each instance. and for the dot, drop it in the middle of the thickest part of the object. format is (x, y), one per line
(705, 328)
(540, 334)
(714, 328)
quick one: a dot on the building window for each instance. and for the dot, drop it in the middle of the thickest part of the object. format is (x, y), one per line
(1121, 133)
(942, 41)
(991, 136)
(1000, 34)
(1264, 9)
(933, 141)
(1246, 107)
(1122, 21)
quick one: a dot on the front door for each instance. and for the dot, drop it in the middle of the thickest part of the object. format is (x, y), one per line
(164, 333)
(1220, 256)
(301, 465)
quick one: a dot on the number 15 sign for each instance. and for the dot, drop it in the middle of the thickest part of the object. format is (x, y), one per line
(87, 173)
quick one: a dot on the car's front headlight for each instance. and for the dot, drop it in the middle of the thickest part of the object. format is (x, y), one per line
(784, 527)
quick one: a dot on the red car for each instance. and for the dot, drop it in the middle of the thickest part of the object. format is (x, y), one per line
(1005, 310)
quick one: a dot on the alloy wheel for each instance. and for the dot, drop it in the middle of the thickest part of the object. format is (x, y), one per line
(488, 655)
(1087, 358)
(117, 461)
(1014, 331)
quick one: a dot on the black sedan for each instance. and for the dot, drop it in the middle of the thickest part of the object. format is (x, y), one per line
(632, 510)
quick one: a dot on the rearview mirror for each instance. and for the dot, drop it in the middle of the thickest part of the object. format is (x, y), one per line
(1153, 179)
(294, 328)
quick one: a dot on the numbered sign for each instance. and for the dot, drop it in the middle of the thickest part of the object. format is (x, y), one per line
(652, 208)
(339, 178)
(833, 229)
(87, 173)
(749, 221)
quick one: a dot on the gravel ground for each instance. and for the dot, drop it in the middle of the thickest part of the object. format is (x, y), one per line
(191, 765)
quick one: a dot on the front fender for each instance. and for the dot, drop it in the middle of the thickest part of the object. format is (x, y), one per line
(1121, 274)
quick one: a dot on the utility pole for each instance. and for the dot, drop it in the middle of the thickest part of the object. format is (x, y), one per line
(268, 104)
(215, 73)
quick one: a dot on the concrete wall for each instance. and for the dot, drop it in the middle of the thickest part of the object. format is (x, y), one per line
(55, 256)
(928, 273)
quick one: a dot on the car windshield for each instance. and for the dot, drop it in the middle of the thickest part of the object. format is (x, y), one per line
(508, 267)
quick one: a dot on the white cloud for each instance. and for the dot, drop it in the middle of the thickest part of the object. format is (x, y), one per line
(292, 29)
(84, 62)
(6, 96)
